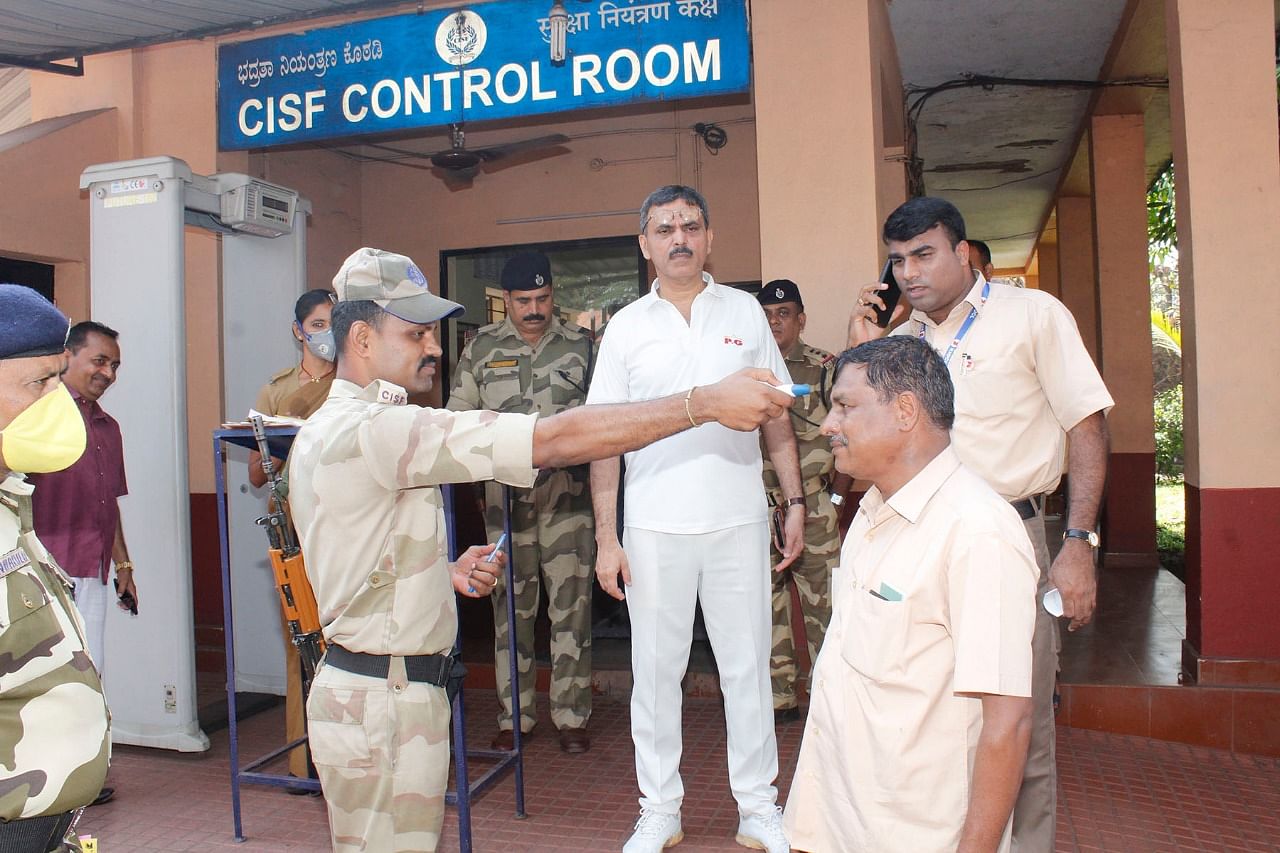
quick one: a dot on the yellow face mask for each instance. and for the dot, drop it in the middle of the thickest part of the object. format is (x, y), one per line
(46, 436)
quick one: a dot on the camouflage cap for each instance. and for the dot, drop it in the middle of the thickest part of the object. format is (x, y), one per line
(395, 283)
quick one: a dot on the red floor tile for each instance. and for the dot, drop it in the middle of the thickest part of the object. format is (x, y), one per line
(1116, 793)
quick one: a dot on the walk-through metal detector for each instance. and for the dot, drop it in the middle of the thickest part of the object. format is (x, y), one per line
(143, 213)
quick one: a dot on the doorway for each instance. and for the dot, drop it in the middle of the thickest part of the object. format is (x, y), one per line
(37, 276)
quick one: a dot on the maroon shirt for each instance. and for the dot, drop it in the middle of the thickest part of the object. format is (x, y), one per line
(75, 511)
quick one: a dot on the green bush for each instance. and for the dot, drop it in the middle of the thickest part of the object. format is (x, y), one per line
(1171, 527)
(1169, 456)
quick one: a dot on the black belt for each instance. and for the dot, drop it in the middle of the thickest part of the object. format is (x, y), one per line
(1026, 508)
(34, 834)
(428, 669)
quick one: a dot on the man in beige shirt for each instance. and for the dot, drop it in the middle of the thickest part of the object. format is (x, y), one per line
(920, 715)
(363, 475)
(1030, 406)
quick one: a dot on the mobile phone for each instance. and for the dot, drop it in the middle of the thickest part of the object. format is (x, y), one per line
(126, 598)
(779, 533)
(890, 295)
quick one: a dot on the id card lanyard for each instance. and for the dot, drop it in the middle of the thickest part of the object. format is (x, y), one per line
(964, 327)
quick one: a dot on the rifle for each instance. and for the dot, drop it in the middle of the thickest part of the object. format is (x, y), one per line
(297, 598)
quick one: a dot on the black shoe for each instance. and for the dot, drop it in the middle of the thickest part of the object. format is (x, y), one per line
(104, 795)
(785, 715)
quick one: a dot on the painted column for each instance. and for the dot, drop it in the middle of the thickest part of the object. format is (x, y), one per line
(1076, 275)
(1223, 103)
(821, 202)
(1118, 170)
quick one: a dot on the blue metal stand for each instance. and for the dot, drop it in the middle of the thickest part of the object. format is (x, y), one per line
(503, 760)
(280, 439)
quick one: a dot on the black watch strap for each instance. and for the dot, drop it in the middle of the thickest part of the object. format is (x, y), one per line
(1077, 533)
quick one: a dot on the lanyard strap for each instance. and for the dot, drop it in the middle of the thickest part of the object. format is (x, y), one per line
(964, 327)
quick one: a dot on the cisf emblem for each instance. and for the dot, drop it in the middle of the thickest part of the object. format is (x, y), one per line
(538, 279)
(461, 37)
(779, 292)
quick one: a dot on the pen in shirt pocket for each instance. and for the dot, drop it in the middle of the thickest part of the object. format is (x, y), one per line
(886, 593)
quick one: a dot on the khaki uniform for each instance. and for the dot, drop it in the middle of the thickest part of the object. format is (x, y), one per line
(811, 571)
(552, 525)
(55, 731)
(363, 473)
(289, 393)
(1022, 379)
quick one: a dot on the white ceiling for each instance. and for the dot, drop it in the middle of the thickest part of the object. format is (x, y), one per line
(998, 153)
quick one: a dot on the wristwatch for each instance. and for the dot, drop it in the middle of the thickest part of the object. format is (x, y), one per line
(837, 500)
(124, 565)
(790, 502)
(1076, 533)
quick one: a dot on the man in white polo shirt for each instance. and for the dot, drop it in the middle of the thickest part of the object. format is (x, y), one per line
(695, 523)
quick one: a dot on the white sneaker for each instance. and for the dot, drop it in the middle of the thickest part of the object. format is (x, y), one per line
(655, 831)
(764, 832)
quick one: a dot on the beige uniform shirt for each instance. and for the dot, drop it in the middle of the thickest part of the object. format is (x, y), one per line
(363, 473)
(1022, 378)
(888, 751)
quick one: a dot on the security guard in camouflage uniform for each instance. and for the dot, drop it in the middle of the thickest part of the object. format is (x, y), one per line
(824, 490)
(364, 472)
(532, 362)
(55, 732)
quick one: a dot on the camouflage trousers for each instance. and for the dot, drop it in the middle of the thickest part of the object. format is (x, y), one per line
(553, 532)
(381, 747)
(811, 574)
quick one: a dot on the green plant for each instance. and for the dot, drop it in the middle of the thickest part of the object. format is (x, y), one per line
(1168, 423)
(1171, 527)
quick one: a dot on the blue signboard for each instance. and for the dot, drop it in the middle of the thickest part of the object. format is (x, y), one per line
(481, 61)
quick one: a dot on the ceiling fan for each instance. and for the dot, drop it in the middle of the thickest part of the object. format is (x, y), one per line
(459, 164)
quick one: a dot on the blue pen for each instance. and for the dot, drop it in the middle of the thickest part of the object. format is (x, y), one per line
(493, 555)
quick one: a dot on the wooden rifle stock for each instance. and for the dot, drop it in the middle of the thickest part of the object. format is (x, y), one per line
(297, 598)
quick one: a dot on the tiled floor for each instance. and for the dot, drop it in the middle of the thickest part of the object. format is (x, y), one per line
(1136, 634)
(1118, 793)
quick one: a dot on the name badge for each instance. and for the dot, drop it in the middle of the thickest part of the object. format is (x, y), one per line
(14, 560)
(506, 362)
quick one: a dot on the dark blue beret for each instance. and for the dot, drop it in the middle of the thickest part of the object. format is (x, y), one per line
(29, 324)
(526, 271)
(780, 290)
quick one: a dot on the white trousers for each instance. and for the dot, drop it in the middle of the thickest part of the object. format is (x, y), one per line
(92, 597)
(728, 572)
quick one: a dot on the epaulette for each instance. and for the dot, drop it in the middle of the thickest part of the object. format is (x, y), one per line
(821, 355)
(276, 377)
